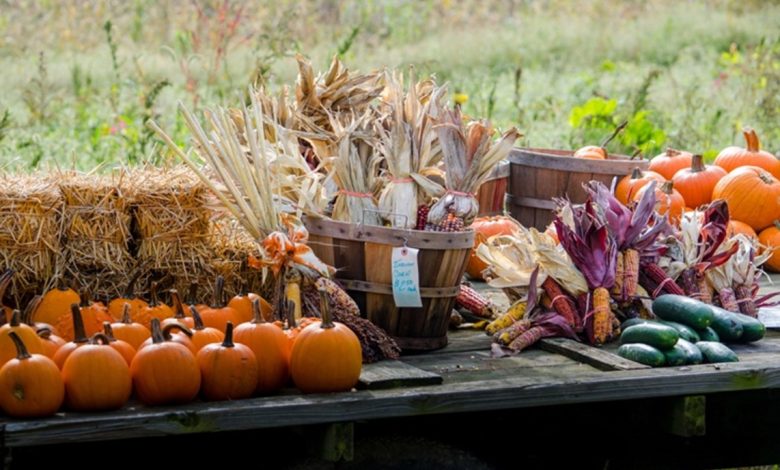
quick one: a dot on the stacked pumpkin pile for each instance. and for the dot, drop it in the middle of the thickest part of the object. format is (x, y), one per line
(163, 356)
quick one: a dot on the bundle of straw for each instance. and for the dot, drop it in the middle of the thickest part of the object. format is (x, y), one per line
(30, 217)
(469, 157)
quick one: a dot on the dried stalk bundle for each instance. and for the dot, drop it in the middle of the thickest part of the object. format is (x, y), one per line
(95, 233)
(469, 157)
(30, 217)
(408, 144)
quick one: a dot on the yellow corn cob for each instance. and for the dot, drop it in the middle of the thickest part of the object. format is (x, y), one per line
(617, 288)
(509, 334)
(630, 260)
(602, 320)
(292, 292)
(515, 312)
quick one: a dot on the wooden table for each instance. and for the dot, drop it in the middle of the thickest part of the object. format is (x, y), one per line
(460, 378)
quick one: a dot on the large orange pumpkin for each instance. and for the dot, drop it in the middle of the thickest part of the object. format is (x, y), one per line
(228, 370)
(736, 227)
(30, 384)
(770, 238)
(753, 196)
(668, 201)
(484, 228)
(696, 183)
(326, 355)
(670, 162)
(632, 183)
(734, 157)
(96, 377)
(165, 372)
(271, 348)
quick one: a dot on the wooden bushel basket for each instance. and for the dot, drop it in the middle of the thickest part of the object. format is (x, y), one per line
(362, 256)
(492, 192)
(538, 175)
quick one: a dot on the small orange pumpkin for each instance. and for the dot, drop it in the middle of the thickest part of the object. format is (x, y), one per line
(55, 305)
(129, 331)
(591, 152)
(182, 337)
(228, 370)
(122, 347)
(155, 309)
(28, 335)
(218, 314)
(326, 355)
(165, 372)
(670, 162)
(51, 342)
(116, 306)
(203, 335)
(736, 227)
(484, 228)
(96, 376)
(734, 157)
(79, 337)
(30, 384)
(696, 183)
(93, 315)
(179, 316)
(242, 304)
(770, 238)
(753, 196)
(271, 347)
(668, 201)
(632, 183)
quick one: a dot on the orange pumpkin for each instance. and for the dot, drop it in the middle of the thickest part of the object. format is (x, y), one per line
(96, 376)
(179, 316)
(218, 314)
(93, 315)
(696, 183)
(30, 384)
(155, 309)
(27, 334)
(736, 227)
(753, 196)
(129, 331)
(165, 372)
(116, 306)
(591, 152)
(203, 335)
(51, 343)
(632, 183)
(79, 337)
(484, 228)
(670, 162)
(182, 337)
(242, 304)
(326, 355)
(228, 370)
(770, 238)
(122, 347)
(668, 200)
(271, 348)
(55, 305)
(734, 157)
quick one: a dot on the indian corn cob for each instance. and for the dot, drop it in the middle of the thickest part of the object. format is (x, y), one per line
(515, 312)
(474, 302)
(507, 335)
(561, 302)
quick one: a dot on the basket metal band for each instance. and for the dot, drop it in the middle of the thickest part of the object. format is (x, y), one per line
(387, 289)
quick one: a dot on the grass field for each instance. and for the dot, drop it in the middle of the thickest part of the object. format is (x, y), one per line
(80, 78)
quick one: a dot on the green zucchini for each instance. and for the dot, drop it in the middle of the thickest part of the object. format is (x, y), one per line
(654, 334)
(716, 352)
(708, 334)
(726, 325)
(683, 353)
(752, 328)
(686, 332)
(643, 354)
(685, 310)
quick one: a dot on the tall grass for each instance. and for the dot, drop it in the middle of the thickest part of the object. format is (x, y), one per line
(685, 74)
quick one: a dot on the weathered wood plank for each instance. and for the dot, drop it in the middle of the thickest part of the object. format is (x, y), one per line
(598, 358)
(392, 374)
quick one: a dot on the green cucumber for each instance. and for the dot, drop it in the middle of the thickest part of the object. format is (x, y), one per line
(708, 334)
(752, 328)
(685, 310)
(726, 325)
(686, 332)
(653, 334)
(643, 354)
(683, 353)
(716, 352)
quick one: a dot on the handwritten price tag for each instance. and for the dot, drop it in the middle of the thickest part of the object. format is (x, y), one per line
(406, 278)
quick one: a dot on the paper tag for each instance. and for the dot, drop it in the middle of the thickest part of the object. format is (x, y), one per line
(406, 278)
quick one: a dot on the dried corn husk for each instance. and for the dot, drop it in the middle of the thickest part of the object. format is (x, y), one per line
(510, 261)
(553, 260)
(469, 157)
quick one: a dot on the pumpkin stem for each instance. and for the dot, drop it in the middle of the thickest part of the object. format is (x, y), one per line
(21, 350)
(776, 224)
(327, 321)
(228, 341)
(697, 164)
(244, 290)
(667, 187)
(192, 294)
(219, 285)
(157, 334)
(154, 301)
(166, 332)
(79, 335)
(256, 312)
(30, 309)
(614, 134)
(197, 320)
(177, 305)
(636, 173)
(751, 139)
(44, 332)
(16, 318)
(86, 298)
(100, 338)
(126, 314)
(766, 177)
(108, 331)
(670, 152)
